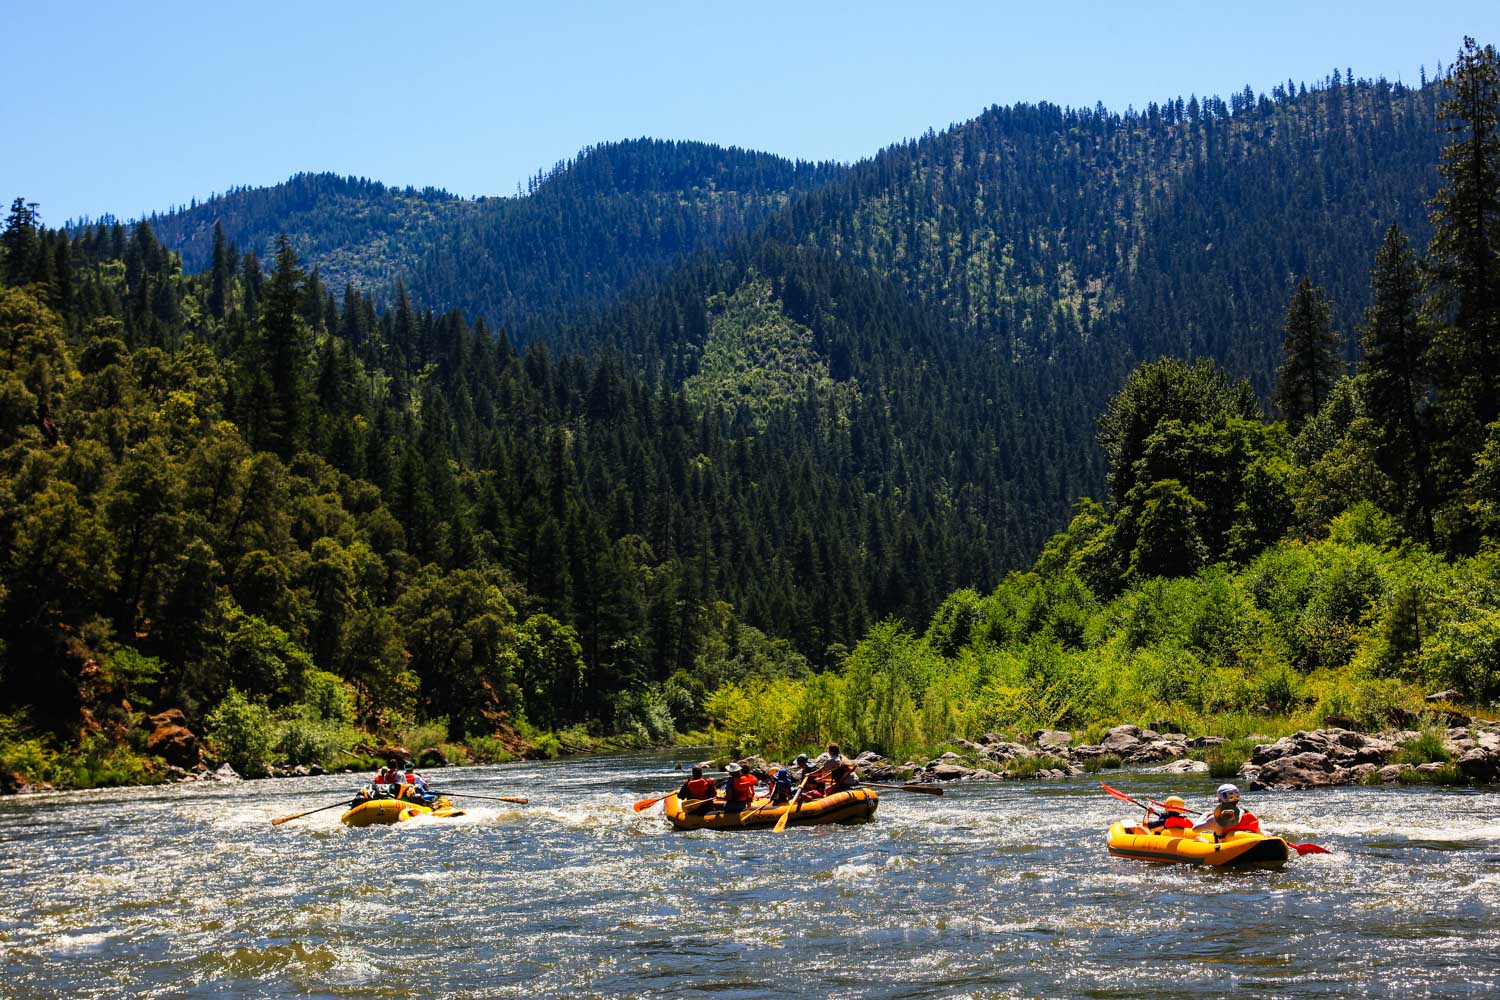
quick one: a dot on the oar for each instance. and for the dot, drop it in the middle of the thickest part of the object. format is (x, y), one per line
(791, 807)
(288, 819)
(488, 798)
(645, 804)
(923, 789)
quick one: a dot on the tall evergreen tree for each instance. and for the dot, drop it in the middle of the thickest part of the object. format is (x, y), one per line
(1312, 362)
(1395, 372)
(220, 274)
(284, 351)
(1465, 299)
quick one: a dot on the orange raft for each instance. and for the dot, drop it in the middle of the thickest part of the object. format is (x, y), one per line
(1187, 847)
(852, 806)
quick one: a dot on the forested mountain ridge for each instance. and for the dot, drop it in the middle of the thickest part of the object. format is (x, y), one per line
(583, 230)
(237, 492)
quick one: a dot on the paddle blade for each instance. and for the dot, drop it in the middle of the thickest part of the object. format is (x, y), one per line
(1118, 794)
(516, 799)
(645, 804)
(1308, 848)
(287, 819)
(781, 823)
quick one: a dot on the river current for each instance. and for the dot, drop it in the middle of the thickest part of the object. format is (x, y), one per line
(995, 890)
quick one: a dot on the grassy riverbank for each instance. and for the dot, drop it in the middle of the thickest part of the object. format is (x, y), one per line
(1353, 629)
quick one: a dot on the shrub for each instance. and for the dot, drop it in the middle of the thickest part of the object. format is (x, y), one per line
(1427, 748)
(304, 737)
(1096, 764)
(240, 732)
(489, 750)
(1448, 774)
(1027, 767)
(424, 735)
(1226, 759)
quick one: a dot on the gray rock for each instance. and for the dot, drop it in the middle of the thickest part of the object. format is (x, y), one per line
(1393, 772)
(950, 772)
(1009, 751)
(1481, 764)
(1052, 739)
(1121, 739)
(224, 773)
(949, 756)
(1183, 766)
(1205, 742)
(1449, 695)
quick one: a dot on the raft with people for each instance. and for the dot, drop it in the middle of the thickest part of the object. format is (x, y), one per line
(852, 805)
(1226, 834)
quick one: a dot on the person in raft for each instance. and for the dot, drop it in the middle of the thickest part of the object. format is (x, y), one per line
(1226, 816)
(811, 786)
(739, 788)
(697, 788)
(419, 789)
(836, 772)
(782, 787)
(1174, 818)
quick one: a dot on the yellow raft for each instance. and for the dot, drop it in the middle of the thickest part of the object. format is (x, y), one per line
(1185, 846)
(852, 806)
(380, 812)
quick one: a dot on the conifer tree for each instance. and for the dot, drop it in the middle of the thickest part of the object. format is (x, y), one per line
(1312, 362)
(1395, 372)
(1465, 301)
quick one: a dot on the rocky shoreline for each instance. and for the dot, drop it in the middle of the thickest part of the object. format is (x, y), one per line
(1317, 758)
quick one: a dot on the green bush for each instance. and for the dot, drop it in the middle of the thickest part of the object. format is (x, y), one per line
(1448, 774)
(424, 735)
(1096, 764)
(1226, 759)
(241, 733)
(1427, 748)
(489, 750)
(303, 736)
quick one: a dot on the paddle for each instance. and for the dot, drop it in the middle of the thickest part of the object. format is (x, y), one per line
(488, 798)
(791, 807)
(1308, 848)
(288, 819)
(922, 789)
(1126, 798)
(645, 804)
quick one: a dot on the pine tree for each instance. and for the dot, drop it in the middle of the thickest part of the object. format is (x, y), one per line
(284, 350)
(1395, 371)
(1465, 301)
(1312, 362)
(19, 243)
(220, 274)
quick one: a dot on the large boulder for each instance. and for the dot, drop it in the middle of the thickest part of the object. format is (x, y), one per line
(1342, 747)
(1122, 740)
(1302, 770)
(172, 740)
(1481, 764)
(1052, 740)
(950, 772)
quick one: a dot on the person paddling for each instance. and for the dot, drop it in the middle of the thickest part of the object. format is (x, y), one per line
(1226, 816)
(697, 788)
(739, 788)
(812, 785)
(782, 787)
(839, 771)
(1174, 818)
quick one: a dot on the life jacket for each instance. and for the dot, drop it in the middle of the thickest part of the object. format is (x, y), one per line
(842, 771)
(740, 789)
(699, 788)
(1175, 822)
(1247, 824)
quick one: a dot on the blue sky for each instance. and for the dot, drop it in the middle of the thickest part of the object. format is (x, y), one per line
(125, 108)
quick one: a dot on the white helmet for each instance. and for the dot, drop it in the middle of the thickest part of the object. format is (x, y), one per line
(1228, 793)
(731, 768)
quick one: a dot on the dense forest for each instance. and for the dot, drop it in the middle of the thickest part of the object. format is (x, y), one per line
(683, 430)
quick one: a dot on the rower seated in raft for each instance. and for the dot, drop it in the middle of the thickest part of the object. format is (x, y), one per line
(1174, 818)
(1226, 816)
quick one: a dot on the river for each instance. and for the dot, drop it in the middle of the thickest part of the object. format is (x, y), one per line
(995, 890)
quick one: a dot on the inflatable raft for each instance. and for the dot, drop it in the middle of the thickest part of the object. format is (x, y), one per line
(1185, 846)
(380, 812)
(852, 806)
